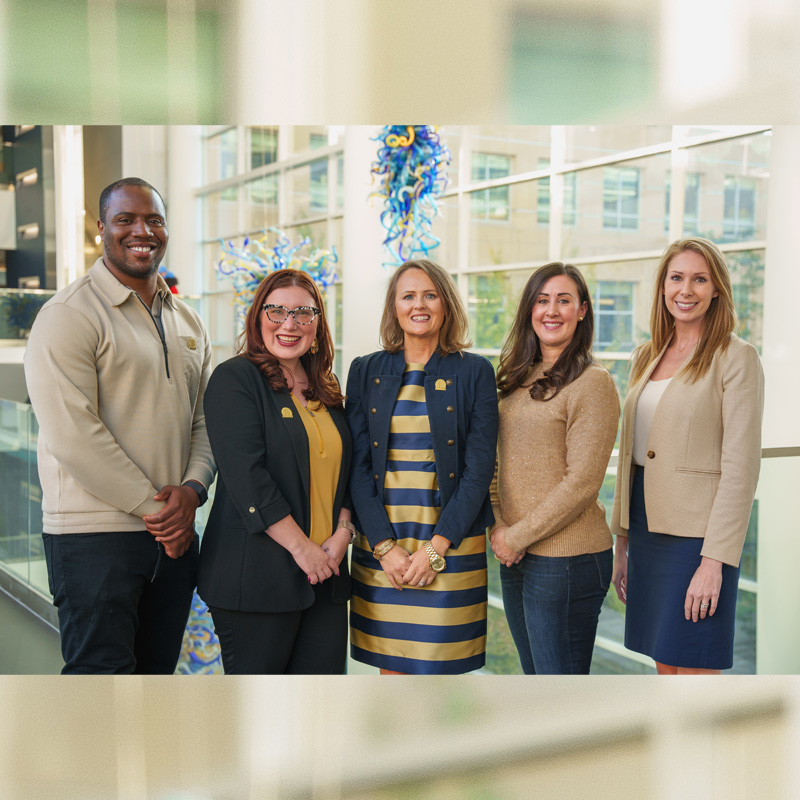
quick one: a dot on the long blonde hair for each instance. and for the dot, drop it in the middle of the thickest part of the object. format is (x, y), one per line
(719, 323)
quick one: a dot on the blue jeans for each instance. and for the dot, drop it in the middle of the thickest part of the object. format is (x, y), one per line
(552, 605)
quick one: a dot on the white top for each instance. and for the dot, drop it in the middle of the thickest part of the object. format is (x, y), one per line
(643, 421)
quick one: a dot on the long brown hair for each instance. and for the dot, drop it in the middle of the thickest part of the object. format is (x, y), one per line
(322, 385)
(521, 348)
(454, 334)
(719, 323)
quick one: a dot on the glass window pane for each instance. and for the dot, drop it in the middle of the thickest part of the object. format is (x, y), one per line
(613, 316)
(524, 145)
(308, 137)
(307, 188)
(450, 135)
(261, 203)
(220, 156)
(621, 209)
(492, 304)
(221, 214)
(732, 194)
(503, 229)
(263, 146)
(323, 236)
(747, 276)
(744, 639)
(445, 228)
(595, 141)
(491, 204)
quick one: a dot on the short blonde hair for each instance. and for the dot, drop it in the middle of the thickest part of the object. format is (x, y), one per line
(454, 334)
(719, 322)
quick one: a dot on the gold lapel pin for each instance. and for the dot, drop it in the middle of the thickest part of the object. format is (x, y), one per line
(440, 385)
(192, 343)
(286, 413)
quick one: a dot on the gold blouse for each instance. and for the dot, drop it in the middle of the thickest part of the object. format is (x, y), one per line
(325, 459)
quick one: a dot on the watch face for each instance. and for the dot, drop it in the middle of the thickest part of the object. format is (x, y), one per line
(437, 564)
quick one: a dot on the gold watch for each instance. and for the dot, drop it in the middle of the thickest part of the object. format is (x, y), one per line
(437, 562)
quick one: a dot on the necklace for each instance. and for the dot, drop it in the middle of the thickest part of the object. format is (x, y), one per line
(681, 349)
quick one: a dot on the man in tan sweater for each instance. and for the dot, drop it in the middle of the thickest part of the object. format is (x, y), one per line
(116, 368)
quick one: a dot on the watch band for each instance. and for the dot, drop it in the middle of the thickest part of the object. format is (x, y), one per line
(345, 523)
(382, 548)
(202, 494)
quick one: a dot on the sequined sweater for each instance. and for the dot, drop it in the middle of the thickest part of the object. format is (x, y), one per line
(551, 460)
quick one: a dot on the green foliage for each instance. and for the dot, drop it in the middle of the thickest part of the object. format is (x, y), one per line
(20, 310)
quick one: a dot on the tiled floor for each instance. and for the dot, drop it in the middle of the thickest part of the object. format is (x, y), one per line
(27, 645)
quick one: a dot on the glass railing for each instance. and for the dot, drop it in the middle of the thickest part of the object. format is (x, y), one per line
(22, 558)
(21, 552)
(18, 309)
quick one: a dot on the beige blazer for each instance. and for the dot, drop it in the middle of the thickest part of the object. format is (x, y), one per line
(704, 454)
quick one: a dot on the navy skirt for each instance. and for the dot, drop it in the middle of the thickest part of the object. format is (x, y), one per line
(660, 568)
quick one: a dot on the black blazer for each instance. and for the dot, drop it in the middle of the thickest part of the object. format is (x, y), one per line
(261, 449)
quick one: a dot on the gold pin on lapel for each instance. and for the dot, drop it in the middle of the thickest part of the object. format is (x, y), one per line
(192, 343)
(441, 385)
(286, 413)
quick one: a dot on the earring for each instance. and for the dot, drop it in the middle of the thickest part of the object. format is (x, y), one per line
(314, 349)
(580, 319)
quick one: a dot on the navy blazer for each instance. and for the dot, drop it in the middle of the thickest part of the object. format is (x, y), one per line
(261, 449)
(461, 397)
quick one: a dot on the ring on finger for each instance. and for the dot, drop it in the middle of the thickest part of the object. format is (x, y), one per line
(422, 583)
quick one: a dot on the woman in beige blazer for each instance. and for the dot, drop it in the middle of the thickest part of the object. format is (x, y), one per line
(690, 452)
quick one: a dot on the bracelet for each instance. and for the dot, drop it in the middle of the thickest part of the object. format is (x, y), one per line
(345, 523)
(382, 548)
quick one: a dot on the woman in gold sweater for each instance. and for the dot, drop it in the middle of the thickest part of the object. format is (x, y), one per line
(559, 411)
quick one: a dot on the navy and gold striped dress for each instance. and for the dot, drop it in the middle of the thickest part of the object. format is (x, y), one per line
(433, 630)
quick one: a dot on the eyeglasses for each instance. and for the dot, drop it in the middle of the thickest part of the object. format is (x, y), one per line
(303, 315)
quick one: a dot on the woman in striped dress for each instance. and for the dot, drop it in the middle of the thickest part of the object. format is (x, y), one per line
(423, 415)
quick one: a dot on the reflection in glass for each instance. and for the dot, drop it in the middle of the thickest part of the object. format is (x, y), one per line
(261, 203)
(221, 213)
(621, 209)
(263, 146)
(691, 203)
(613, 315)
(307, 188)
(220, 157)
(621, 197)
(570, 197)
(491, 204)
(734, 177)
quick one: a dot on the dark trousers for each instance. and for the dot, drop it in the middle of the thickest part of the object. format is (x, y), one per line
(122, 602)
(308, 642)
(552, 605)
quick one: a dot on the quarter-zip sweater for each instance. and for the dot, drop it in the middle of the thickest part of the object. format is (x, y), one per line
(118, 395)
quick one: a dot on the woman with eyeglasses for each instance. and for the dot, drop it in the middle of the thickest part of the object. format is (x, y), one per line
(272, 561)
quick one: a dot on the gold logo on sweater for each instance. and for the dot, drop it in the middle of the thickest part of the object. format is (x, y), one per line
(192, 343)
(440, 385)
(286, 413)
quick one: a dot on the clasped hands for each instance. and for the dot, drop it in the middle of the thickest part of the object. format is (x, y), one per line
(404, 569)
(173, 525)
(502, 552)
